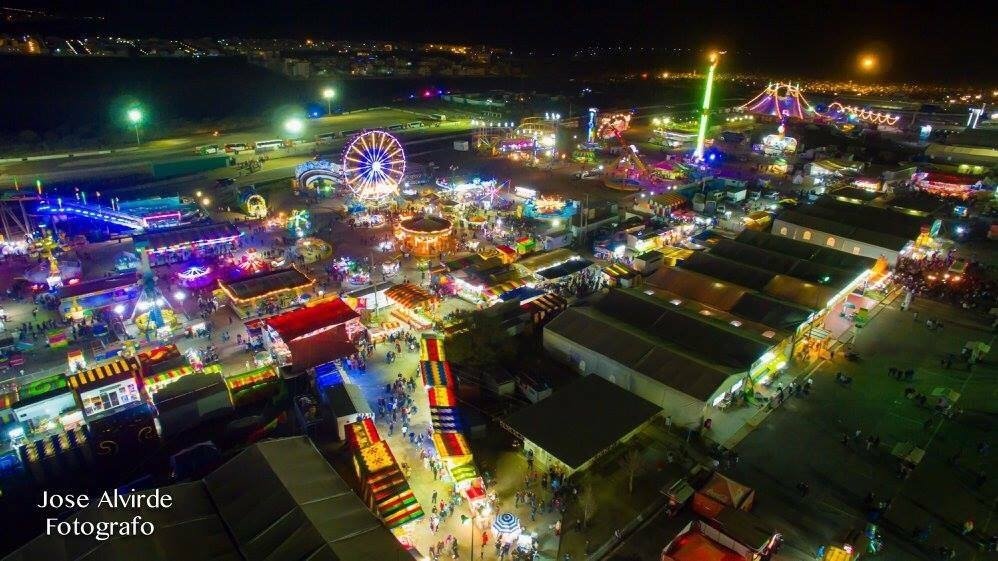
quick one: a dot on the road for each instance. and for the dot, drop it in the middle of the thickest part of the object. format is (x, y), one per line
(134, 161)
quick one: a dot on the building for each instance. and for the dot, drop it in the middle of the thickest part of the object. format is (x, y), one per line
(605, 413)
(313, 335)
(277, 499)
(266, 292)
(857, 229)
(681, 361)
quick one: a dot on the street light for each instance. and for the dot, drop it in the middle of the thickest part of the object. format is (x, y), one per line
(328, 94)
(294, 126)
(135, 117)
(206, 201)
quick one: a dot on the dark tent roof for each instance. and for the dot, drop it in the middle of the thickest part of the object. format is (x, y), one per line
(592, 406)
(640, 351)
(782, 264)
(878, 239)
(281, 500)
(729, 297)
(565, 269)
(102, 284)
(276, 501)
(770, 311)
(877, 219)
(695, 334)
(725, 269)
(802, 250)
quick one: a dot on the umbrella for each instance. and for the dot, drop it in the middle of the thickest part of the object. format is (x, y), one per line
(506, 523)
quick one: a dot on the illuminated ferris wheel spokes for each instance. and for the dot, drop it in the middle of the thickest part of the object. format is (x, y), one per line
(374, 165)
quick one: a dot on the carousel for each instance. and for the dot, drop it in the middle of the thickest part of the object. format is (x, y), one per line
(425, 235)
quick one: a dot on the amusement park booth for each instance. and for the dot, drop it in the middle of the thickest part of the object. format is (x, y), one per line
(91, 298)
(107, 386)
(300, 338)
(607, 414)
(161, 366)
(47, 405)
(266, 292)
(176, 244)
(425, 235)
(416, 306)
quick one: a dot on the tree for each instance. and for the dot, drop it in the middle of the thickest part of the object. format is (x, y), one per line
(588, 503)
(633, 464)
(481, 343)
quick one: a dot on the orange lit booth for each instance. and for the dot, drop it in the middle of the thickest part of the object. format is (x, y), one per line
(425, 236)
(267, 292)
(416, 305)
(385, 489)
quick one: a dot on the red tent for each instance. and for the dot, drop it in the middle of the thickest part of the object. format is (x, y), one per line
(301, 322)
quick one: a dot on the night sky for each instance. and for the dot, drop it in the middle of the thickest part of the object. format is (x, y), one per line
(927, 41)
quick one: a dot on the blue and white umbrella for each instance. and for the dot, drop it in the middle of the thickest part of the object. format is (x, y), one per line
(506, 523)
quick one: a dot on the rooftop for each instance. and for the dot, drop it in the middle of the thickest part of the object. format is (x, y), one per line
(277, 500)
(103, 284)
(602, 411)
(426, 224)
(174, 238)
(266, 282)
(300, 322)
(643, 352)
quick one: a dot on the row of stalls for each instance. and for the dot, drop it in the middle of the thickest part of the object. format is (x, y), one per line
(125, 400)
(448, 429)
(384, 486)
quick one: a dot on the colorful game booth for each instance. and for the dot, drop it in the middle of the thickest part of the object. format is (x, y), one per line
(448, 437)
(385, 489)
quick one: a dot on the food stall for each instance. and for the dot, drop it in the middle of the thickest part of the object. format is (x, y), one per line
(107, 386)
(253, 385)
(416, 306)
(45, 405)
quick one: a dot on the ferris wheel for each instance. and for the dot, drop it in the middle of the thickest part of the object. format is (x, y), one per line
(373, 165)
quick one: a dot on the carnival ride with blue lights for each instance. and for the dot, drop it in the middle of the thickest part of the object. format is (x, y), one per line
(373, 166)
(550, 208)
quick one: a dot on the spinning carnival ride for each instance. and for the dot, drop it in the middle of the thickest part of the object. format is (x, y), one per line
(373, 166)
(780, 100)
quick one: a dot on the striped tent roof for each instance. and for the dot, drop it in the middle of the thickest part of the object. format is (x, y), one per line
(436, 373)
(464, 472)
(442, 397)
(361, 434)
(452, 446)
(545, 306)
(410, 295)
(114, 371)
(431, 348)
(444, 419)
(495, 291)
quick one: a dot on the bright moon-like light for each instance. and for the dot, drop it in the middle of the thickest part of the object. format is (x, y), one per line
(868, 62)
